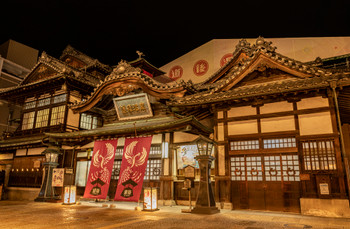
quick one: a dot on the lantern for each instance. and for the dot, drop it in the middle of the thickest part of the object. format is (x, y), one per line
(150, 199)
(205, 203)
(70, 194)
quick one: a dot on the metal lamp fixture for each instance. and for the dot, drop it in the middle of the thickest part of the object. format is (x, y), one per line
(205, 203)
(47, 193)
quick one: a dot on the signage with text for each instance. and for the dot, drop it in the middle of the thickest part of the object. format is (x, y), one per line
(133, 106)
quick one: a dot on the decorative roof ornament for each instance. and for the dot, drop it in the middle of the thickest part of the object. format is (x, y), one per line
(124, 67)
(264, 46)
(140, 54)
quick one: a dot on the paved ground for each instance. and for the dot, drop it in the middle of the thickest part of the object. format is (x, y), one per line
(28, 214)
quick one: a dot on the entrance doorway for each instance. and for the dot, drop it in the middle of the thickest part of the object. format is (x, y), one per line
(266, 182)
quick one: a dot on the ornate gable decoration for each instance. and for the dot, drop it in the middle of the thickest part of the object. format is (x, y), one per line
(260, 59)
(40, 73)
(124, 67)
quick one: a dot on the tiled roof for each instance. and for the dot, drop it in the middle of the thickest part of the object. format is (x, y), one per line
(124, 71)
(89, 61)
(62, 69)
(252, 52)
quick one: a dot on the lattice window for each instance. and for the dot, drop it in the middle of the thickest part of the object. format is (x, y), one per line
(119, 151)
(279, 143)
(319, 155)
(154, 169)
(60, 98)
(57, 115)
(273, 168)
(42, 118)
(28, 120)
(238, 169)
(29, 105)
(254, 169)
(116, 169)
(155, 150)
(88, 121)
(244, 145)
(290, 167)
(44, 102)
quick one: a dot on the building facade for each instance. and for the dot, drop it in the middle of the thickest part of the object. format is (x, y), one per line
(281, 126)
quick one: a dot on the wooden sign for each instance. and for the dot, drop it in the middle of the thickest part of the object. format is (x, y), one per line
(69, 170)
(189, 171)
(304, 176)
(324, 189)
(133, 106)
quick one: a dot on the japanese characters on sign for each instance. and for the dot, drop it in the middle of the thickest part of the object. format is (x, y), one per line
(57, 177)
(225, 59)
(176, 72)
(200, 67)
(133, 106)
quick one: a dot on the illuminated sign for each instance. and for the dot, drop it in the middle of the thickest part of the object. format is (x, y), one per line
(133, 106)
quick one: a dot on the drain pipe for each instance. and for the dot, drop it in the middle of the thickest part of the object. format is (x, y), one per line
(333, 85)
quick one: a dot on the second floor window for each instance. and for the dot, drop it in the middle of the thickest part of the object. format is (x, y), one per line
(89, 122)
(28, 120)
(57, 115)
(42, 118)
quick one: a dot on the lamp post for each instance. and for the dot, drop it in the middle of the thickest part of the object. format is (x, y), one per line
(47, 193)
(205, 203)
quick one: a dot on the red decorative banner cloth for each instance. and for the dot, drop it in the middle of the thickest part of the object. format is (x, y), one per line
(101, 169)
(132, 171)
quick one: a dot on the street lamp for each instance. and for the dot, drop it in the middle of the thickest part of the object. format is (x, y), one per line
(47, 192)
(205, 203)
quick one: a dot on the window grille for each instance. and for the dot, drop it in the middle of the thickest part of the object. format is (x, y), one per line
(290, 167)
(238, 169)
(42, 118)
(44, 102)
(153, 170)
(279, 143)
(88, 121)
(29, 105)
(60, 98)
(116, 169)
(57, 115)
(119, 151)
(28, 120)
(319, 155)
(155, 150)
(254, 169)
(244, 145)
(265, 168)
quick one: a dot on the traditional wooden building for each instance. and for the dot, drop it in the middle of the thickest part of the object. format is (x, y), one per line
(281, 127)
(44, 94)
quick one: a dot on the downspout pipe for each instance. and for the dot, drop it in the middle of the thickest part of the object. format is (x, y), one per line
(333, 85)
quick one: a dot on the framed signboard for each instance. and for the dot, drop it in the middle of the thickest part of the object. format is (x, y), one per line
(57, 177)
(133, 106)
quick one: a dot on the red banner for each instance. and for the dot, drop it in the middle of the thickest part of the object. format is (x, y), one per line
(132, 171)
(101, 169)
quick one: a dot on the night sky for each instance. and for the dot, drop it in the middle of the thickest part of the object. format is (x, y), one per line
(163, 30)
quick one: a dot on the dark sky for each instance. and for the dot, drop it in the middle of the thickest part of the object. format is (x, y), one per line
(163, 30)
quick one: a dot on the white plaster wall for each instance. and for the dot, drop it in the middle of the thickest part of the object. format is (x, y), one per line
(221, 135)
(285, 123)
(184, 137)
(316, 123)
(314, 102)
(276, 107)
(243, 127)
(241, 111)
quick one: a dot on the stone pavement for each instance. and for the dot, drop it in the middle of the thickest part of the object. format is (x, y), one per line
(89, 214)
